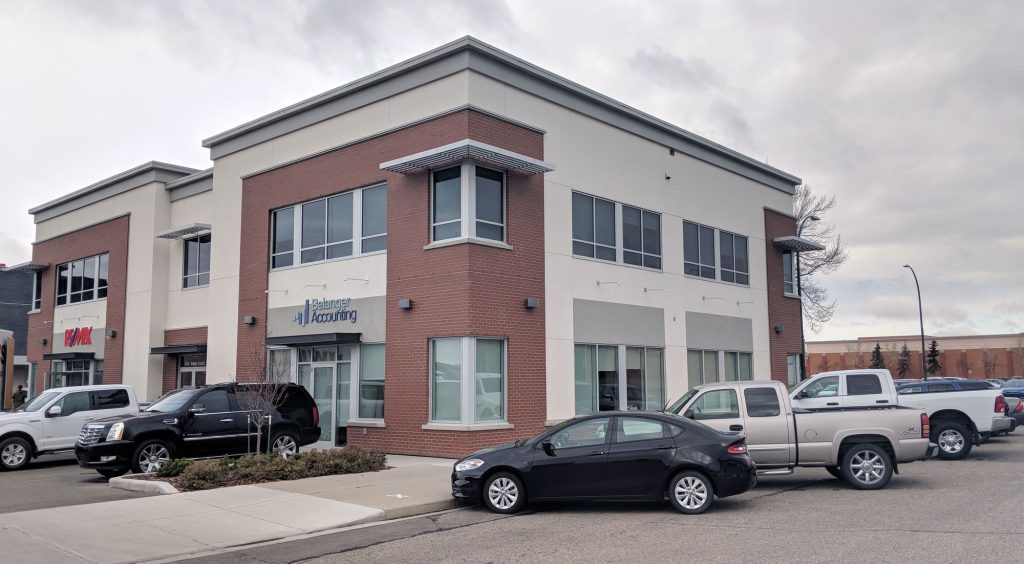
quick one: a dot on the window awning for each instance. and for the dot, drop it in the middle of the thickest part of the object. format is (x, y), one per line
(318, 339)
(468, 149)
(796, 244)
(28, 267)
(70, 356)
(179, 349)
(183, 231)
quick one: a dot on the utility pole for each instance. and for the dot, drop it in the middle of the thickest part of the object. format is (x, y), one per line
(920, 313)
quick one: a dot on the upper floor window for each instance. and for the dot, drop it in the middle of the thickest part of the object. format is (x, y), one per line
(82, 280)
(37, 291)
(476, 211)
(734, 258)
(698, 250)
(196, 270)
(789, 273)
(350, 224)
(594, 233)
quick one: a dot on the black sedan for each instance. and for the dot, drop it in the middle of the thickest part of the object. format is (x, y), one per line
(610, 456)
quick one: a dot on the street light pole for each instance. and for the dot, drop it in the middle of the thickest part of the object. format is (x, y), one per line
(920, 313)
(800, 292)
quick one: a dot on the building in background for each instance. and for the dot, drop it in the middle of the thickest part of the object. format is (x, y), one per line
(15, 303)
(449, 253)
(967, 356)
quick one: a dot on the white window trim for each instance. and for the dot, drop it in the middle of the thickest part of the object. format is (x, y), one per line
(620, 248)
(467, 398)
(95, 286)
(467, 207)
(297, 248)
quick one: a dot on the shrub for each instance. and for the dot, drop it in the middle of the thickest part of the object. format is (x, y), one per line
(173, 467)
(203, 475)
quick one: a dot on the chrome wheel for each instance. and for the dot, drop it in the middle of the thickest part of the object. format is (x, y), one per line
(14, 455)
(503, 493)
(867, 467)
(690, 492)
(951, 441)
(153, 457)
(285, 445)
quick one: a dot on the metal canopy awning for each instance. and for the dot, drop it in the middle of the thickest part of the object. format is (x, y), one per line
(183, 231)
(468, 149)
(179, 349)
(318, 339)
(796, 244)
(70, 356)
(28, 267)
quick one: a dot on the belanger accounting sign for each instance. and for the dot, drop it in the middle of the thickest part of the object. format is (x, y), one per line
(77, 336)
(325, 311)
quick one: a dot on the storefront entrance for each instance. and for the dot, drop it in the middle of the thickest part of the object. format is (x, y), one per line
(192, 370)
(326, 372)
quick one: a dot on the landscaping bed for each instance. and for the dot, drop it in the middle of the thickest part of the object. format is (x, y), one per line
(188, 475)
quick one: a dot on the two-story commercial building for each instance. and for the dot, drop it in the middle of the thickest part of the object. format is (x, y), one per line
(451, 252)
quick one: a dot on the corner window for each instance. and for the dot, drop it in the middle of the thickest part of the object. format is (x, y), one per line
(698, 250)
(593, 227)
(350, 224)
(599, 381)
(789, 273)
(197, 262)
(82, 280)
(641, 237)
(734, 258)
(37, 291)
(477, 211)
(371, 381)
(701, 367)
(467, 376)
(738, 366)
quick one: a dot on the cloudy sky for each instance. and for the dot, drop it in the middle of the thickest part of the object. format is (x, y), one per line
(910, 112)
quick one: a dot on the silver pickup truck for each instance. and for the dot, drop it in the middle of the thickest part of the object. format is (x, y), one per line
(861, 445)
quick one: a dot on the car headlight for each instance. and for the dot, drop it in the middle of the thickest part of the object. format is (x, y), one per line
(470, 464)
(116, 432)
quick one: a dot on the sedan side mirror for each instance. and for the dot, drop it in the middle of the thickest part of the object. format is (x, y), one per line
(549, 448)
(197, 409)
(54, 411)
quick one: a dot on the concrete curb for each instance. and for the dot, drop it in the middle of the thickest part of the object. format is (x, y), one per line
(146, 486)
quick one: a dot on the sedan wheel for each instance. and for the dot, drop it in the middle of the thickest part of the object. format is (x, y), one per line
(867, 467)
(504, 493)
(14, 453)
(691, 492)
(285, 445)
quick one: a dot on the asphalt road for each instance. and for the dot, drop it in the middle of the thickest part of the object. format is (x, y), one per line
(934, 511)
(55, 481)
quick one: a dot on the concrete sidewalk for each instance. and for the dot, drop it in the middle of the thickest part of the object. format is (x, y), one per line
(179, 525)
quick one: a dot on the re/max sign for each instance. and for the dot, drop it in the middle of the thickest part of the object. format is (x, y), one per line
(77, 336)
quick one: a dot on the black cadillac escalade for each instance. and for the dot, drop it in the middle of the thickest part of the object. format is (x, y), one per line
(199, 422)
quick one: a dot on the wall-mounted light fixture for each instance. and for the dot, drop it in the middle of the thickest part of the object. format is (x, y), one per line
(405, 303)
(668, 176)
(706, 298)
(646, 289)
(249, 320)
(741, 303)
(363, 280)
(112, 334)
(532, 303)
(323, 285)
(48, 323)
(285, 291)
(601, 283)
(779, 329)
(43, 341)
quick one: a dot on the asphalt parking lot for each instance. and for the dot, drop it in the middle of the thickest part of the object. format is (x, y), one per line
(934, 511)
(55, 481)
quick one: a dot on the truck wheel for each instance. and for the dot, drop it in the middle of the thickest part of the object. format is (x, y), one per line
(14, 453)
(867, 467)
(151, 455)
(834, 470)
(954, 441)
(691, 492)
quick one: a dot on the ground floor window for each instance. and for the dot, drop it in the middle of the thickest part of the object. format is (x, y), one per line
(701, 367)
(467, 380)
(792, 369)
(191, 370)
(67, 373)
(738, 366)
(602, 371)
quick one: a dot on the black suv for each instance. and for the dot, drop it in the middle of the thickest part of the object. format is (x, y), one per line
(200, 422)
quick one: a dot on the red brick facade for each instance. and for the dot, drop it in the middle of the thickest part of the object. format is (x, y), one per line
(976, 363)
(459, 290)
(108, 237)
(177, 337)
(784, 327)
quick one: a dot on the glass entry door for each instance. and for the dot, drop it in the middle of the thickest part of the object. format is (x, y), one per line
(326, 374)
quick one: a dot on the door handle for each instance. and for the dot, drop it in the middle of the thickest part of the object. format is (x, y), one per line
(832, 403)
(663, 447)
(735, 427)
(881, 401)
(595, 453)
(228, 420)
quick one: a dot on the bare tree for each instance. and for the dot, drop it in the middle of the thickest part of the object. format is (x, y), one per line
(818, 305)
(989, 361)
(892, 357)
(259, 394)
(855, 355)
(1019, 350)
(963, 367)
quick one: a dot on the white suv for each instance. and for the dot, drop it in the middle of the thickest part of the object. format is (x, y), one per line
(52, 421)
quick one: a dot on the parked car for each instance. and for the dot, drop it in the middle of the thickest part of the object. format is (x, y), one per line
(200, 422)
(1014, 387)
(960, 418)
(609, 456)
(932, 386)
(51, 422)
(1015, 409)
(861, 445)
(997, 382)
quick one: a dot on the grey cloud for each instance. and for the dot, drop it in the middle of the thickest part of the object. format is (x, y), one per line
(675, 72)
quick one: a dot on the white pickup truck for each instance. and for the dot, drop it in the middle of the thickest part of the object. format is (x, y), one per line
(959, 419)
(52, 421)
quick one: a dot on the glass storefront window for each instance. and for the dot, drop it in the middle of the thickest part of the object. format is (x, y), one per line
(489, 399)
(598, 379)
(585, 369)
(67, 373)
(371, 381)
(446, 373)
(607, 378)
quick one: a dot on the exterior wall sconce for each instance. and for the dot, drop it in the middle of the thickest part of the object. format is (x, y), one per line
(741, 303)
(532, 303)
(405, 303)
(602, 283)
(249, 320)
(112, 334)
(646, 289)
(285, 291)
(779, 329)
(43, 341)
(706, 298)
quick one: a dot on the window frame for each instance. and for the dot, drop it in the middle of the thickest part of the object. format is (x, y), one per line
(719, 367)
(700, 264)
(37, 291)
(735, 360)
(468, 382)
(619, 230)
(356, 389)
(357, 238)
(735, 272)
(643, 238)
(198, 274)
(96, 291)
(616, 234)
(467, 220)
(789, 286)
(621, 377)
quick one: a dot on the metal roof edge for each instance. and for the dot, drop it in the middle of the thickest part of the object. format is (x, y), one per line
(122, 176)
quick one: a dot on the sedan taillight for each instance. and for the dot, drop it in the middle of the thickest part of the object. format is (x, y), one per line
(738, 448)
(316, 416)
(1020, 406)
